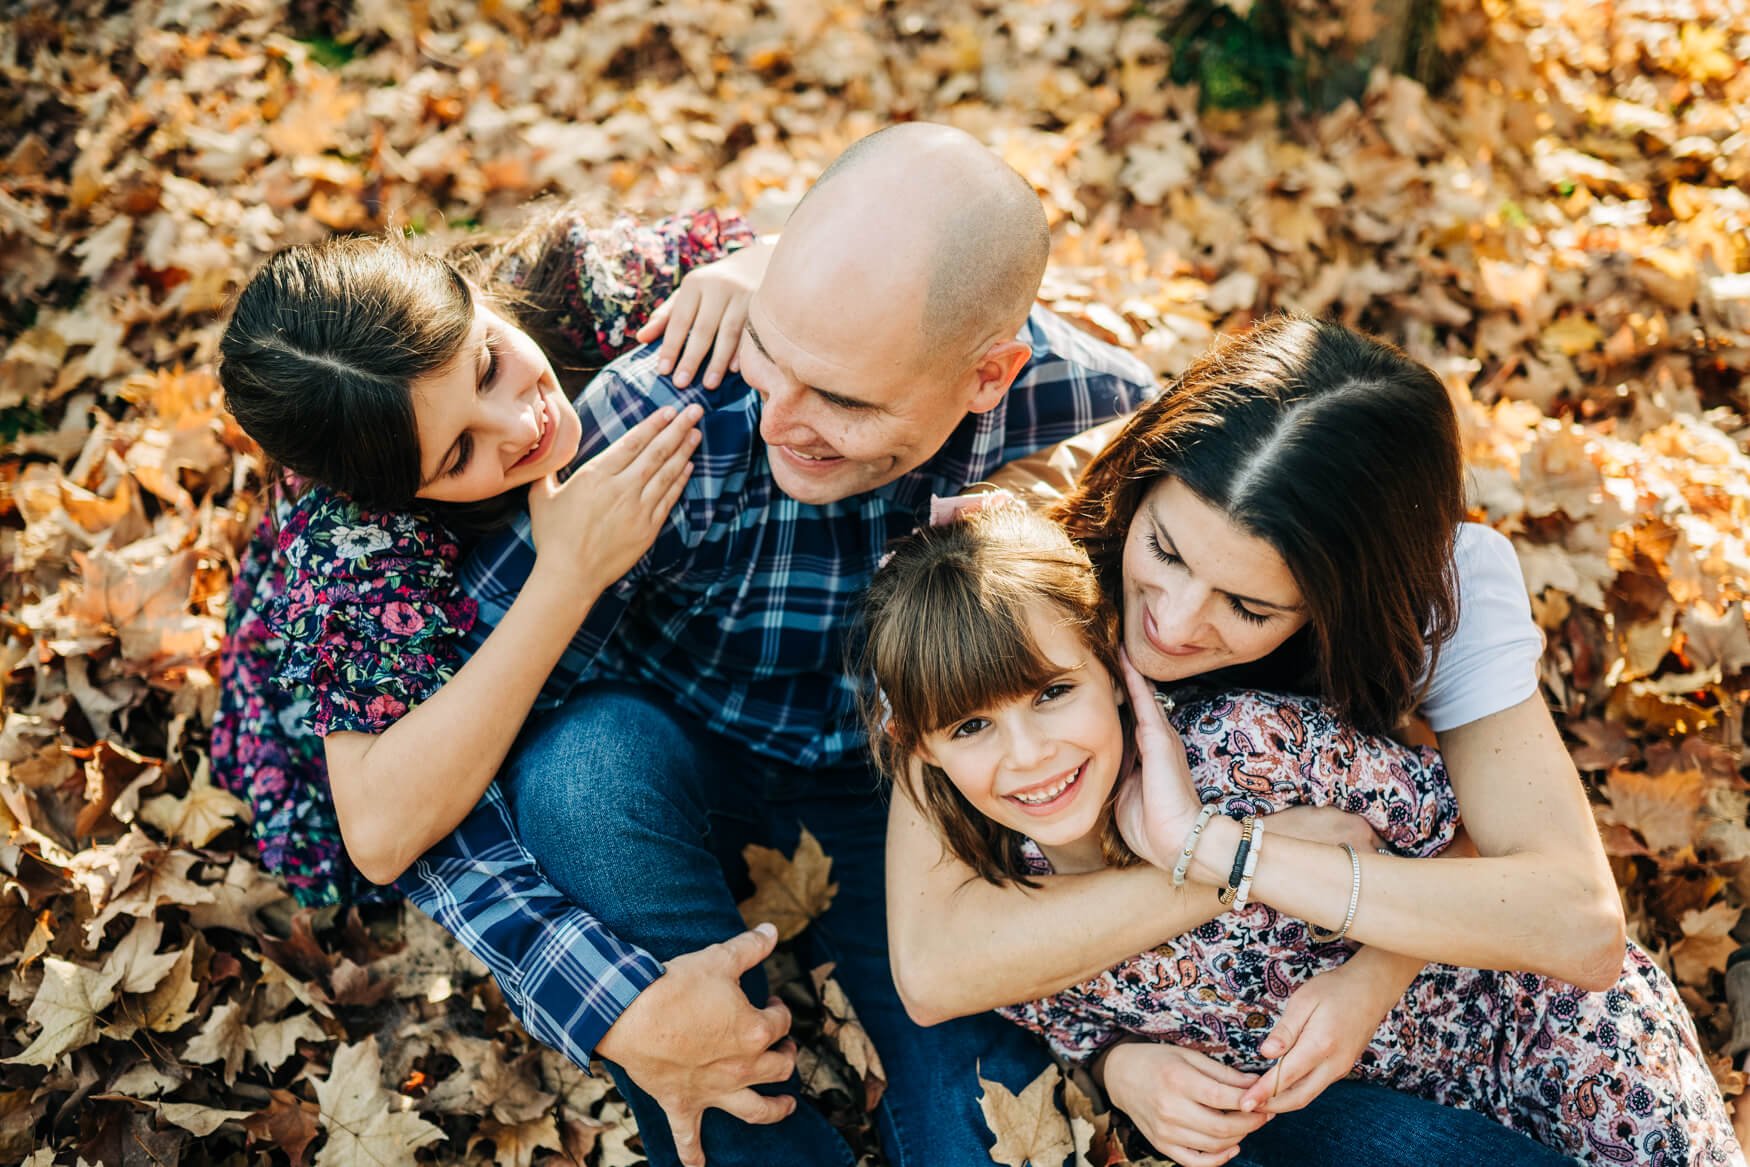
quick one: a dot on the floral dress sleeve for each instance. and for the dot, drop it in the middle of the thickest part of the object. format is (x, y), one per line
(372, 619)
(621, 272)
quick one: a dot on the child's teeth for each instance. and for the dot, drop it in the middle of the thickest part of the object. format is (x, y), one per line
(1047, 795)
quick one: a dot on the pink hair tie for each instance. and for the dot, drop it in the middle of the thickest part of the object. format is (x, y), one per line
(945, 510)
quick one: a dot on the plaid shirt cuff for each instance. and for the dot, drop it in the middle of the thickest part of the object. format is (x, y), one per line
(564, 975)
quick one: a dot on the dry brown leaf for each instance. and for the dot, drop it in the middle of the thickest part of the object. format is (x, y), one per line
(289, 1123)
(1030, 1129)
(1707, 942)
(272, 1042)
(1665, 810)
(854, 1045)
(514, 1145)
(788, 893)
(199, 816)
(65, 1010)
(223, 1038)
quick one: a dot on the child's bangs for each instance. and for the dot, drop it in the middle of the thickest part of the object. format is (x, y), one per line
(963, 654)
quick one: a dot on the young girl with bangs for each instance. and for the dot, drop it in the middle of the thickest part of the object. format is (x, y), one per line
(407, 402)
(1001, 717)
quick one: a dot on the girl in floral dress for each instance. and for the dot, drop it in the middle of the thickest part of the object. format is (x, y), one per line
(404, 402)
(999, 716)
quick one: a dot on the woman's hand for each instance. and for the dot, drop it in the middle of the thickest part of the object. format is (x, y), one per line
(602, 519)
(1326, 824)
(1326, 1026)
(706, 314)
(1185, 1104)
(1157, 803)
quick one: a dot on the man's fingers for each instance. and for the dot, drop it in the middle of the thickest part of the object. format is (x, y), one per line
(685, 1128)
(775, 1065)
(746, 949)
(757, 1108)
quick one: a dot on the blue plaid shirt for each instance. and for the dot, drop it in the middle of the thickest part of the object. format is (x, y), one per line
(738, 610)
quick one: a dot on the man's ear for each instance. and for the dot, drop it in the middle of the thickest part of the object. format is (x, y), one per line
(995, 371)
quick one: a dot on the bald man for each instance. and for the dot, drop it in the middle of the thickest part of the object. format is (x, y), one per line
(892, 353)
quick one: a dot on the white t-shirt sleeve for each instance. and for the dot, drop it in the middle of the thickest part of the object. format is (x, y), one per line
(1490, 663)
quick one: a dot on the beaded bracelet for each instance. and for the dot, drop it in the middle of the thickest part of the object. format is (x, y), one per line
(1245, 888)
(1226, 894)
(1321, 936)
(1184, 863)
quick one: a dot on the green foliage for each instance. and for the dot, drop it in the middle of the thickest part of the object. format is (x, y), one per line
(328, 52)
(1236, 62)
(20, 419)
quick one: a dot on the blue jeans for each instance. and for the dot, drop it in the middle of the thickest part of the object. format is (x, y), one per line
(1354, 1123)
(640, 813)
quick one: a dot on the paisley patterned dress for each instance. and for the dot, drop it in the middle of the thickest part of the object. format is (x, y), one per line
(1605, 1077)
(343, 618)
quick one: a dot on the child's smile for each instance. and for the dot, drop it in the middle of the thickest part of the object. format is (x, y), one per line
(1044, 763)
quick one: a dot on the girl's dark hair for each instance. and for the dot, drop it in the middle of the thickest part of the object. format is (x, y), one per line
(945, 633)
(1340, 452)
(325, 342)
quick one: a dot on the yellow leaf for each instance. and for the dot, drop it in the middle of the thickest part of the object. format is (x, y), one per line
(198, 818)
(788, 893)
(1030, 1129)
(1571, 335)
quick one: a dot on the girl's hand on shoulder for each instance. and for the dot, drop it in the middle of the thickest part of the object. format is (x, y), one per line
(598, 523)
(1185, 1104)
(706, 314)
(1157, 802)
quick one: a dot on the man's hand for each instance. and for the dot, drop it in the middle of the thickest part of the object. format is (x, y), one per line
(1185, 1104)
(692, 1041)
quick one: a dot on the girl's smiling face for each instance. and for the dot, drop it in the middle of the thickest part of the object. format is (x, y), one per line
(1043, 764)
(494, 418)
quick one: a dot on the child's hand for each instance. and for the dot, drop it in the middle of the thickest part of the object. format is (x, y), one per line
(707, 312)
(1325, 1028)
(1157, 803)
(604, 518)
(1185, 1104)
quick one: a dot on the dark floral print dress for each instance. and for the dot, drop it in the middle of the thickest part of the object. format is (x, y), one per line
(1607, 1077)
(343, 619)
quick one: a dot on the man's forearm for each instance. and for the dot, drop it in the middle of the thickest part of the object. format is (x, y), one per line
(565, 976)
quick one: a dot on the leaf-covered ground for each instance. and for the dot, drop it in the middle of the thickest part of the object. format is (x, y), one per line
(1561, 233)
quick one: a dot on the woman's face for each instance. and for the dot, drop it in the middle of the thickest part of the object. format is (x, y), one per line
(1043, 764)
(494, 418)
(1200, 593)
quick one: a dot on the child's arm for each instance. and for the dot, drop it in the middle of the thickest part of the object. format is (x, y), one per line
(398, 792)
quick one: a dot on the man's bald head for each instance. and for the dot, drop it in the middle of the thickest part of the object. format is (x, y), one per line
(935, 225)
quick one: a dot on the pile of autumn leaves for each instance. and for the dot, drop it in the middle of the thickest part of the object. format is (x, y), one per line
(1562, 235)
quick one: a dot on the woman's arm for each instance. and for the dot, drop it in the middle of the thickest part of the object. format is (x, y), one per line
(1540, 898)
(960, 945)
(398, 792)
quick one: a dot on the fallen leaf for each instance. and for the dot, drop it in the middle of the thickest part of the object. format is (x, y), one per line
(366, 1124)
(289, 1123)
(1664, 810)
(1030, 1129)
(788, 893)
(65, 1010)
(224, 1038)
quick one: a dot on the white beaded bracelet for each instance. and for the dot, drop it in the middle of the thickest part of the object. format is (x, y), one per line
(1245, 885)
(1321, 936)
(1184, 863)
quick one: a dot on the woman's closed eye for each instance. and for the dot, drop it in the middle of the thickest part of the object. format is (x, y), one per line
(1172, 558)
